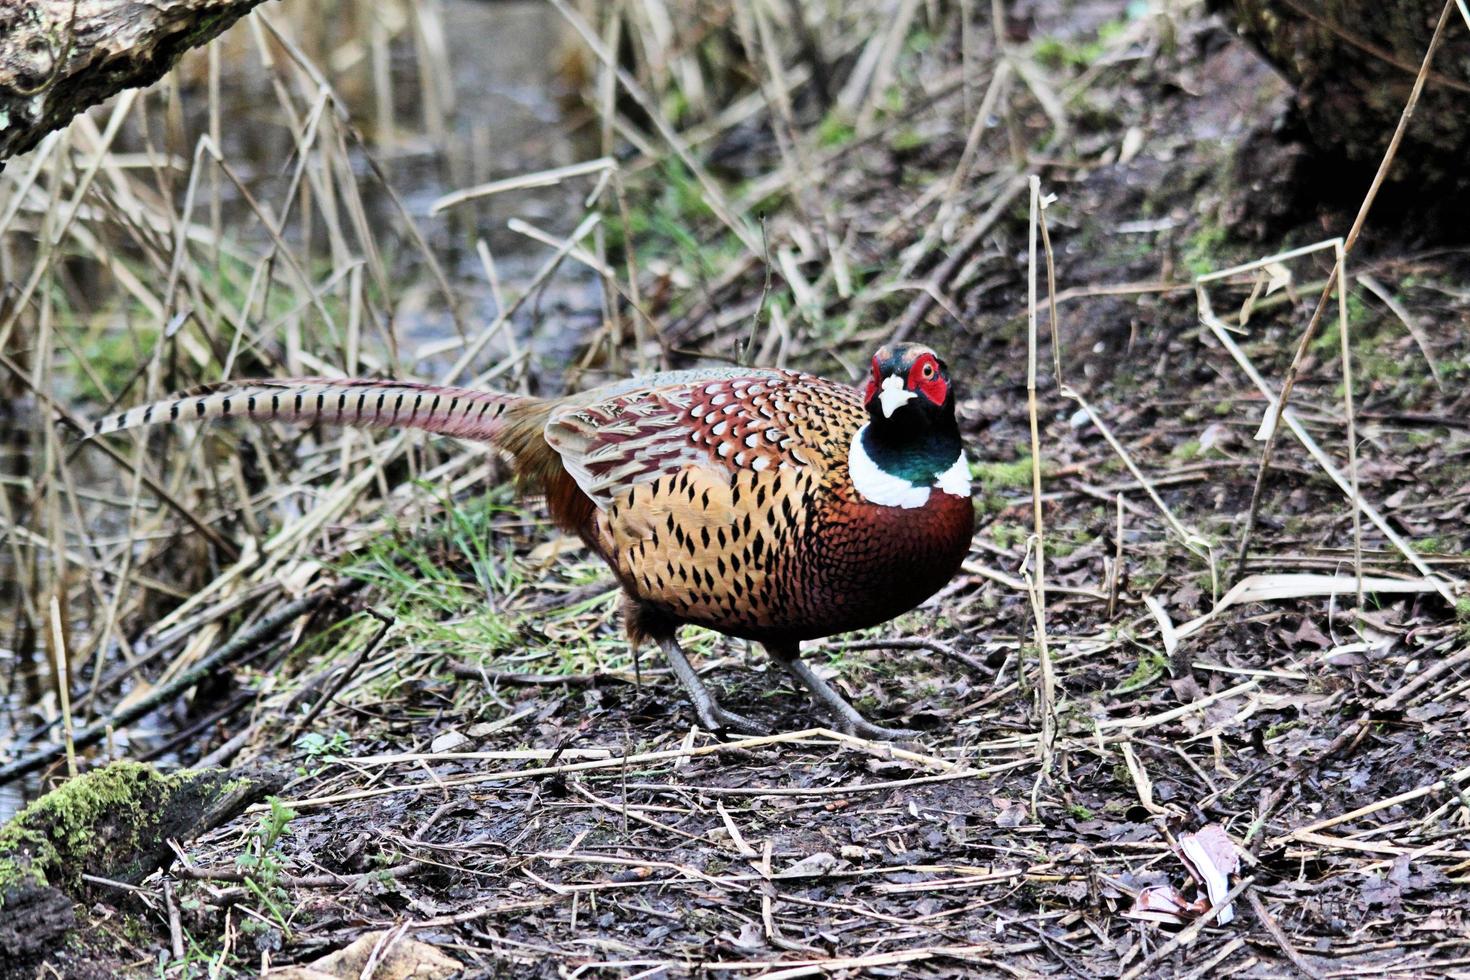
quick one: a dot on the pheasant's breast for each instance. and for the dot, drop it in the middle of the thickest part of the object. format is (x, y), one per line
(781, 554)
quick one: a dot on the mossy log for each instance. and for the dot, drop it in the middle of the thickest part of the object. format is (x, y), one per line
(113, 823)
(1352, 64)
(57, 57)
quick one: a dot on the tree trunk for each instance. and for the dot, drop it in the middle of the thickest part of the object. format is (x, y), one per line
(1352, 64)
(57, 57)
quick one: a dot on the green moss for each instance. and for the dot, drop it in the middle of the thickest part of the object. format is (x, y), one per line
(53, 838)
(1150, 667)
(1278, 729)
(1003, 476)
(834, 130)
(1063, 540)
(1008, 535)
(1328, 341)
(676, 107)
(1055, 53)
(994, 479)
(1202, 252)
(1296, 525)
(905, 140)
(920, 41)
(1462, 616)
(1059, 547)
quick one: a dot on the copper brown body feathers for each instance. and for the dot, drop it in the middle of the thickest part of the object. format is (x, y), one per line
(721, 497)
(726, 502)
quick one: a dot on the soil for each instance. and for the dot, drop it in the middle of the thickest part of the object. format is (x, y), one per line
(1326, 736)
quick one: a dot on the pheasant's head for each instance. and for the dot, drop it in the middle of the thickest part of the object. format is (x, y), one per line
(911, 444)
(908, 387)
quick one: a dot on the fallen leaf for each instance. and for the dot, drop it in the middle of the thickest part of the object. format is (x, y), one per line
(1187, 596)
(1011, 815)
(447, 741)
(1279, 277)
(812, 866)
(1216, 435)
(1161, 903)
(402, 958)
(751, 937)
(1306, 635)
(1428, 711)
(1213, 857)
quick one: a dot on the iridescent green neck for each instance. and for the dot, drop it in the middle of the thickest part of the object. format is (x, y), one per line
(914, 453)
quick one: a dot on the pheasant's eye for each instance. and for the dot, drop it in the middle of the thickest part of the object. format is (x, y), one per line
(928, 372)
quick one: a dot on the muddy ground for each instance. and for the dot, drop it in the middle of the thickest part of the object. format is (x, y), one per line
(508, 795)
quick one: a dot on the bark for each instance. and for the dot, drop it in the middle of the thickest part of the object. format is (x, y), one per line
(1352, 64)
(57, 57)
(113, 823)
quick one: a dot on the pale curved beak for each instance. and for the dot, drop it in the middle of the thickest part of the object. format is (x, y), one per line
(893, 395)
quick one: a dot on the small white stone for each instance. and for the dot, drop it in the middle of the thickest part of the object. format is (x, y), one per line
(447, 741)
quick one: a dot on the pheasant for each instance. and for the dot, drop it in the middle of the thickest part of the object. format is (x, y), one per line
(765, 504)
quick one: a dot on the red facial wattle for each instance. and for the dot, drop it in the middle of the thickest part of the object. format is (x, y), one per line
(927, 379)
(875, 381)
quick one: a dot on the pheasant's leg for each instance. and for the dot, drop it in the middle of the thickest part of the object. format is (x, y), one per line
(849, 719)
(713, 717)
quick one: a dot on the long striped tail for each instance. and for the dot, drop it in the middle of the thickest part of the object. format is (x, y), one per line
(461, 412)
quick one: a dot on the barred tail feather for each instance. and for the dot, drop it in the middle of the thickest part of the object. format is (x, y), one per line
(461, 412)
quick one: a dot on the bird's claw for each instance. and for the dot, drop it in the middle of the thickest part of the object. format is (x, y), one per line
(717, 719)
(877, 733)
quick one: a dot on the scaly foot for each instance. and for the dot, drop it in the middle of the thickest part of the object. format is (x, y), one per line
(847, 718)
(711, 716)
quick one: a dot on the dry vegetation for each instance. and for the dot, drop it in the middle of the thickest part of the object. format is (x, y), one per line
(475, 768)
